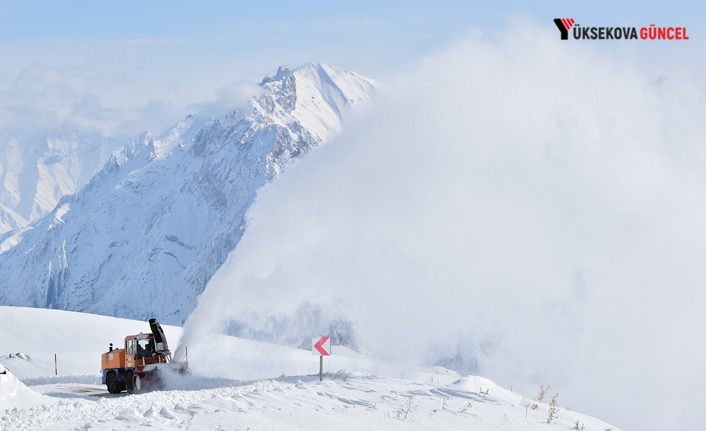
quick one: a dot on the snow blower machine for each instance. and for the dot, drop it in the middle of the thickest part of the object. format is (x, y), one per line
(140, 365)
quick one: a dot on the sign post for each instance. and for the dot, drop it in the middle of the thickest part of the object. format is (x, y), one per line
(321, 346)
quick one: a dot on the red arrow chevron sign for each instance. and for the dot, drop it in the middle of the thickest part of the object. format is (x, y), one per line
(321, 346)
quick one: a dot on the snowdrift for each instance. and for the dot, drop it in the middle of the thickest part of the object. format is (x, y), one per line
(14, 393)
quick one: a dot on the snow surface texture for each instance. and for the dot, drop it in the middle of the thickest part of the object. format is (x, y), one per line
(38, 169)
(145, 235)
(260, 386)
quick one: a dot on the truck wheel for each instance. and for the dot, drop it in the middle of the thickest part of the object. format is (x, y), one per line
(111, 381)
(130, 382)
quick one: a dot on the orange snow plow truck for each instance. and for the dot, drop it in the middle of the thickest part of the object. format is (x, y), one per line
(140, 364)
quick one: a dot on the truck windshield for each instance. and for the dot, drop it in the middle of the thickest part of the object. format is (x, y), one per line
(145, 348)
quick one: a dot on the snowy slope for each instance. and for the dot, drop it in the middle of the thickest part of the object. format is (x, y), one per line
(281, 393)
(146, 234)
(37, 169)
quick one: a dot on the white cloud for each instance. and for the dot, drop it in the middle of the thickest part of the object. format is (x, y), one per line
(47, 97)
(540, 202)
(114, 102)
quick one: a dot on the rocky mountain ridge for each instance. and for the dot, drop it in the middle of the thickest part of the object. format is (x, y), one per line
(147, 232)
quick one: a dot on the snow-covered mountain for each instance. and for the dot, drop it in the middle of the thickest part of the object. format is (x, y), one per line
(145, 235)
(39, 168)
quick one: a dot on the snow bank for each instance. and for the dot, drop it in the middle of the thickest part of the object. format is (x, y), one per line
(14, 394)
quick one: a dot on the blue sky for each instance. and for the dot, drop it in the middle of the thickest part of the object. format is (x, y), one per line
(164, 56)
(375, 35)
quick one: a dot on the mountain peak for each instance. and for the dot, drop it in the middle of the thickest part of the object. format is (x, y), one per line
(282, 73)
(149, 230)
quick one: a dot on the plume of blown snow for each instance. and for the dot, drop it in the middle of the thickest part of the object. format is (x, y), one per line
(531, 207)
